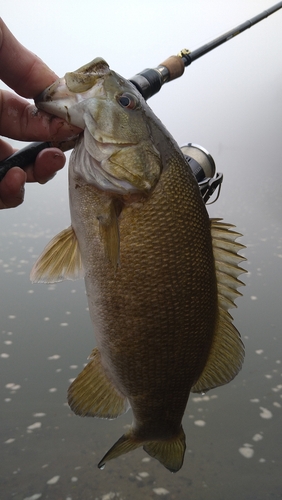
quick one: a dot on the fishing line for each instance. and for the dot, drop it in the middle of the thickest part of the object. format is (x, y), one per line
(148, 82)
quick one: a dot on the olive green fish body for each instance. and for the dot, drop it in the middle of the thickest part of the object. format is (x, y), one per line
(156, 310)
(160, 276)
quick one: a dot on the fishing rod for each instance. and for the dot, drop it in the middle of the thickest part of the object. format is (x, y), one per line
(148, 82)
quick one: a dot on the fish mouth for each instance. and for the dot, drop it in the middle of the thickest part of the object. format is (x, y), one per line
(66, 96)
(58, 100)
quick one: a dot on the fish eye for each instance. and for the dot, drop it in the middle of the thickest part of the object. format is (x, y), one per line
(127, 101)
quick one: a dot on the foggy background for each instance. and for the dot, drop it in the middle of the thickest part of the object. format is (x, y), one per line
(230, 102)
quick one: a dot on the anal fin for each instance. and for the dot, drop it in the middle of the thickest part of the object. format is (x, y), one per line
(92, 394)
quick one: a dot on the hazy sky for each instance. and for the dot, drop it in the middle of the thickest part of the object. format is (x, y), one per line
(229, 101)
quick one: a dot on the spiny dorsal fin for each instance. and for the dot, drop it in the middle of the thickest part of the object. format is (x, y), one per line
(92, 394)
(227, 352)
(59, 260)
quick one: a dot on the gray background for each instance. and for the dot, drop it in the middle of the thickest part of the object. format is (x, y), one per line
(230, 102)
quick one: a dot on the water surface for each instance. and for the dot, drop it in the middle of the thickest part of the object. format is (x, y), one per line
(233, 433)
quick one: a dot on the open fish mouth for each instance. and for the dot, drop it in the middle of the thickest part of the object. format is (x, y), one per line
(60, 101)
(65, 97)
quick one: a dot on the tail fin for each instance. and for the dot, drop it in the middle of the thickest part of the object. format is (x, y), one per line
(169, 453)
(125, 444)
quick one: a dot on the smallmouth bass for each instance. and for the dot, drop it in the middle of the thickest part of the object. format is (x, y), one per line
(160, 275)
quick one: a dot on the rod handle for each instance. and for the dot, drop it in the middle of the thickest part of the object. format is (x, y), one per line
(175, 66)
(27, 155)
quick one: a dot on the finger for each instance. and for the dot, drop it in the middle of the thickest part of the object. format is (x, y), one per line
(6, 150)
(47, 163)
(12, 188)
(20, 69)
(23, 121)
(24, 72)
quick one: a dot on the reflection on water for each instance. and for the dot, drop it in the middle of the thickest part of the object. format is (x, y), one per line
(233, 433)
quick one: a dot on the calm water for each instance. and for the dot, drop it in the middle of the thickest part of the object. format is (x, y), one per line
(234, 438)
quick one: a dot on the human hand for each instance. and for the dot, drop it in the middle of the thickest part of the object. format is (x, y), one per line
(27, 75)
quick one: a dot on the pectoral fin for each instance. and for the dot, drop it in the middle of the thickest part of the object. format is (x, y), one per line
(109, 233)
(92, 394)
(227, 352)
(59, 260)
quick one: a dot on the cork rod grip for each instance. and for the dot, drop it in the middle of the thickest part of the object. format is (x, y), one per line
(175, 66)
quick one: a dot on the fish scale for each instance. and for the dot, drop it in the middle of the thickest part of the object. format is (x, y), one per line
(162, 294)
(159, 275)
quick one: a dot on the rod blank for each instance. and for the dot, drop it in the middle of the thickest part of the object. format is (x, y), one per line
(192, 56)
(148, 82)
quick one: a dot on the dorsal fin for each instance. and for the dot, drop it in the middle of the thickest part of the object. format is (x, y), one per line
(59, 260)
(227, 352)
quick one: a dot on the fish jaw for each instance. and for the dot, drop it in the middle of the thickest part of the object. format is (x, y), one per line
(59, 101)
(66, 97)
(116, 153)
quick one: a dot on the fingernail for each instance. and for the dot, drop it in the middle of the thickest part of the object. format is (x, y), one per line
(21, 193)
(60, 159)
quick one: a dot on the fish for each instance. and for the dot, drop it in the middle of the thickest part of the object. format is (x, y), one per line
(160, 275)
